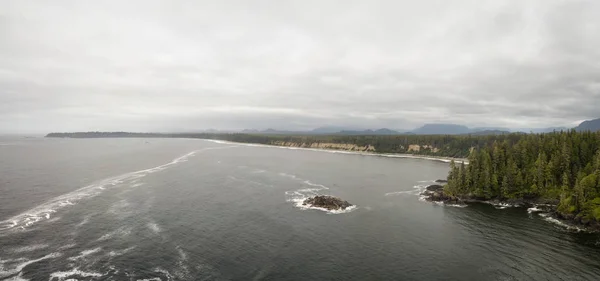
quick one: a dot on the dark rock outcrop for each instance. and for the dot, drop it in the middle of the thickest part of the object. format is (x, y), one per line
(441, 181)
(435, 193)
(327, 202)
(435, 187)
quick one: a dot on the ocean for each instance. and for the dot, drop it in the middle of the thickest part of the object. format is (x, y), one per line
(185, 209)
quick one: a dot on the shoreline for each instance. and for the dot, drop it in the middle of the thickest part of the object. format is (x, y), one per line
(354, 152)
(543, 207)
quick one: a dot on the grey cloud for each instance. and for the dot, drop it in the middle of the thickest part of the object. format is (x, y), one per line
(191, 65)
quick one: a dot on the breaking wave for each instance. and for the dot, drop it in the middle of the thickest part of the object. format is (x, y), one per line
(547, 217)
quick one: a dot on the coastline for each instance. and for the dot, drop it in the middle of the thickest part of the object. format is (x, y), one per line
(547, 209)
(348, 151)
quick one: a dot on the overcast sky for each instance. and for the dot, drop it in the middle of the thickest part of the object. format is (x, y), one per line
(192, 65)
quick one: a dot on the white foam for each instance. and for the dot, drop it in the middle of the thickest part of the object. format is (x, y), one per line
(165, 272)
(61, 275)
(85, 253)
(120, 232)
(447, 205)
(456, 205)
(411, 192)
(65, 203)
(43, 211)
(154, 227)
(500, 205)
(315, 184)
(417, 190)
(29, 248)
(18, 278)
(67, 246)
(534, 209)
(182, 271)
(297, 197)
(115, 253)
(549, 218)
(288, 176)
(16, 269)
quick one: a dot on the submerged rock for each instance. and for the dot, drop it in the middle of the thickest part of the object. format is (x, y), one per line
(327, 202)
(441, 181)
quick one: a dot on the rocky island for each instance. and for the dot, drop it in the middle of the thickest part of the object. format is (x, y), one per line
(327, 202)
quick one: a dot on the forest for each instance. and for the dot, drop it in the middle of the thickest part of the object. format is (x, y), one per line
(563, 167)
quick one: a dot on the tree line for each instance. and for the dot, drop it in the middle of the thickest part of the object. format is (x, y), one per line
(458, 146)
(561, 166)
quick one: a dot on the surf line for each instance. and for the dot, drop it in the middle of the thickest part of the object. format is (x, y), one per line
(45, 210)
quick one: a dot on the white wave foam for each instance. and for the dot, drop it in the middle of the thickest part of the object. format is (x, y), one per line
(120, 232)
(456, 205)
(411, 192)
(534, 209)
(29, 248)
(115, 253)
(165, 272)
(503, 205)
(182, 271)
(417, 189)
(154, 227)
(297, 197)
(62, 275)
(547, 217)
(8, 267)
(67, 246)
(85, 253)
(447, 205)
(65, 203)
(315, 184)
(288, 176)
(43, 211)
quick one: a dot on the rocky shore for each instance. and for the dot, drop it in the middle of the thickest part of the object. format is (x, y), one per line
(327, 202)
(435, 193)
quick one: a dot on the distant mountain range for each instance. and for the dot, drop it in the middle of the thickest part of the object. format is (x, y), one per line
(428, 129)
(442, 129)
(590, 125)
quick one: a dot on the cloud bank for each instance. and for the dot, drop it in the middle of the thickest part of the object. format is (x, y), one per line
(192, 65)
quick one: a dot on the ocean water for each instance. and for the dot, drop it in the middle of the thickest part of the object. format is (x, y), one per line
(177, 209)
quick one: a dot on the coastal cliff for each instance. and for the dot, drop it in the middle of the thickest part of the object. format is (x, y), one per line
(327, 145)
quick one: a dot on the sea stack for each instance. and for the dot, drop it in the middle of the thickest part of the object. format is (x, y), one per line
(327, 202)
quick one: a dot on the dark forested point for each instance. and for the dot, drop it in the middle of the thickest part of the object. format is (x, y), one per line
(561, 168)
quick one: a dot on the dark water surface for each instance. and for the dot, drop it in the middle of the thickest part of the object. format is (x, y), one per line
(175, 209)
